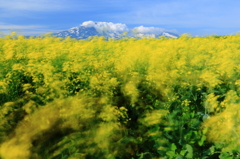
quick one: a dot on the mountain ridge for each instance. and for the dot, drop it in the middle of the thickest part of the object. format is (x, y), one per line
(113, 30)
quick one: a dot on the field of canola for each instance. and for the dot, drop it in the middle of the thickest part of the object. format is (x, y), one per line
(118, 99)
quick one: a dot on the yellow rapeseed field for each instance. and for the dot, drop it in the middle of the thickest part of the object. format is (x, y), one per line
(127, 98)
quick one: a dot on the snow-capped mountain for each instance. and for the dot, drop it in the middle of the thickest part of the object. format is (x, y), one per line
(80, 32)
(171, 35)
(113, 30)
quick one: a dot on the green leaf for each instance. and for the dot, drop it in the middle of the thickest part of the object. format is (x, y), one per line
(183, 152)
(212, 150)
(190, 151)
(195, 133)
(225, 156)
(171, 154)
(173, 147)
(192, 114)
(203, 138)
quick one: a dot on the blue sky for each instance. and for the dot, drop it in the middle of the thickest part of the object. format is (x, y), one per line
(196, 17)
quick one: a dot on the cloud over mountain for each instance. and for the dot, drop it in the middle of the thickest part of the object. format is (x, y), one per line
(113, 30)
(106, 26)
(119, 27)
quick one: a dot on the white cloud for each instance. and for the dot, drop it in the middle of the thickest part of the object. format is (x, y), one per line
(119, 27)
(148, 30)
(106, 26)
(88, 24)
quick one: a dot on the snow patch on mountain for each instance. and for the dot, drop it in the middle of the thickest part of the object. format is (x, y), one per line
(169, 35)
